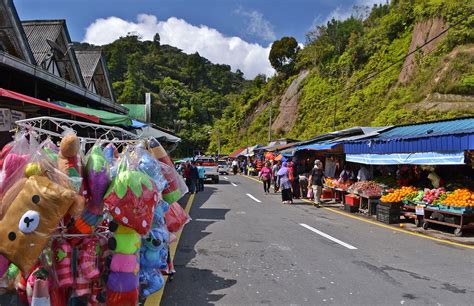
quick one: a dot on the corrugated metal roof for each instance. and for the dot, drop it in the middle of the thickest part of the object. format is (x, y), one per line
(37, 32)
(430, 128)
(88, 61)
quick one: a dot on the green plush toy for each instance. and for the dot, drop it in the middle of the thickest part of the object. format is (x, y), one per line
(125, 240)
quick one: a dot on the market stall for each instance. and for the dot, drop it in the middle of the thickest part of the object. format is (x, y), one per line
(430, 166)
(88, 212)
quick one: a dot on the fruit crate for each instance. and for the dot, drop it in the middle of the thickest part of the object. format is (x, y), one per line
(454, 209)
(351, 208)
(327, 194)
(352, 200)
(388, 218)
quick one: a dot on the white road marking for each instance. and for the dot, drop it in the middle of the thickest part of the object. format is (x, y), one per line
(253, 198)
(350, 247)
(226, 178)
(233, 184)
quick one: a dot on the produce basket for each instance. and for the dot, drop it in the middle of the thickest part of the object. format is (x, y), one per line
(352, 200)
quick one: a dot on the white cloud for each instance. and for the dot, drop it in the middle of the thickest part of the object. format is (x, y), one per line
(342, 13)
(257, 25)
(250, 58)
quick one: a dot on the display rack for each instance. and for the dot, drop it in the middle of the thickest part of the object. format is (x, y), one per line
(87, 132)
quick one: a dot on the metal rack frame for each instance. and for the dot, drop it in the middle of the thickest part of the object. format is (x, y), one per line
(107, 133)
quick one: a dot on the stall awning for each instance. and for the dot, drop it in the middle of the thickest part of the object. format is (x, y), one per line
(236, 153)
(319, 146)
(27, 99)
(421, 158)
(160, 135)
(104, 116)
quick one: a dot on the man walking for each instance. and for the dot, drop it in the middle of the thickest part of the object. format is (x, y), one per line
(316, 180)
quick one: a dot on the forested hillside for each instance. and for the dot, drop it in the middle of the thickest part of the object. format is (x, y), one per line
(188, 92)
(356, 72)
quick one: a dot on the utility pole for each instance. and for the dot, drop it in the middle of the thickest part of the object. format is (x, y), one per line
(270, 124)
(218, 143)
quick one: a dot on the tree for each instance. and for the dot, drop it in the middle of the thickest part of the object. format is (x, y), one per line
(283, 54)
(156, 39)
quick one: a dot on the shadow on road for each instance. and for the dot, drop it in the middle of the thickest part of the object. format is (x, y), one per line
(192, 285)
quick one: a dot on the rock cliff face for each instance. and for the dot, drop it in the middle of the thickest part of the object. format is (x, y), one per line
(422, 32)
(288, 109)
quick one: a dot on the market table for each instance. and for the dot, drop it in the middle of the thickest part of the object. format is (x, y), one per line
(466, 220)
(341, 194)
(333, 192)
(409, 212)
(366, 203)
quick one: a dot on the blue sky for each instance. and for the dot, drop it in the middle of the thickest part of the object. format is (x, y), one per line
(255, 22)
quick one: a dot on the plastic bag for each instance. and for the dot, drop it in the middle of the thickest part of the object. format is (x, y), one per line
(152, 167)
(176, 185)
(310, 193)
(111, 155)
(15, 161)
(131, 197)
(176, 218)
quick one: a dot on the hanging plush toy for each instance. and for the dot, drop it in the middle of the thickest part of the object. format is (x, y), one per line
(123, 279)
(31, 219)
(176, 186)
(97, 177)
(149, 165)
(131, 200)
(69, 160)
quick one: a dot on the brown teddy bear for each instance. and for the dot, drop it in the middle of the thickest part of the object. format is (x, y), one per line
(32, 217)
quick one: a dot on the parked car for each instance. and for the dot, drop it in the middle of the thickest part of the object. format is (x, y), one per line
(211, 166)
(224, 168)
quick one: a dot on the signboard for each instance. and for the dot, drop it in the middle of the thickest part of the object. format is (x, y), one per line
(5, 120)
(420, 210)
(8, 118)
(16, 115)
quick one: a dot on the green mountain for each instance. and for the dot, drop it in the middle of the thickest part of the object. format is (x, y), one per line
(188, 92)
(356, 72)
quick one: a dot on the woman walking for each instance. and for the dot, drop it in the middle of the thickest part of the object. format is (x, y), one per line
(266, 176)
(285, 184)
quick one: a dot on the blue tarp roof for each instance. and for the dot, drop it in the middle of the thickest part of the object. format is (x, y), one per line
(430, 128)
(442, 136)
(318, 146)
(424, 158)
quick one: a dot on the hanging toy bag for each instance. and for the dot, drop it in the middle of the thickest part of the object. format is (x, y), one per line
(176, 185)
(131, 196)
(34, 208)
(176, 218)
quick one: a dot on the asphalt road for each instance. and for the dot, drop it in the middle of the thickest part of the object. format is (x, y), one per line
(237, 251)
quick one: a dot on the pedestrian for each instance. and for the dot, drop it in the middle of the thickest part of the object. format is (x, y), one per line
(202, 176)
(275, 168)
(285, 184)
(244, 167)
(316, 180)
(295, 184)
(363, 174)
(194, 176)
(187, 175)
(235, 166)
(266, 176)
(303, 181)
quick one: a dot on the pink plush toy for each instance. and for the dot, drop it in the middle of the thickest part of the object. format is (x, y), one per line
(88, 259)
(62, 262)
